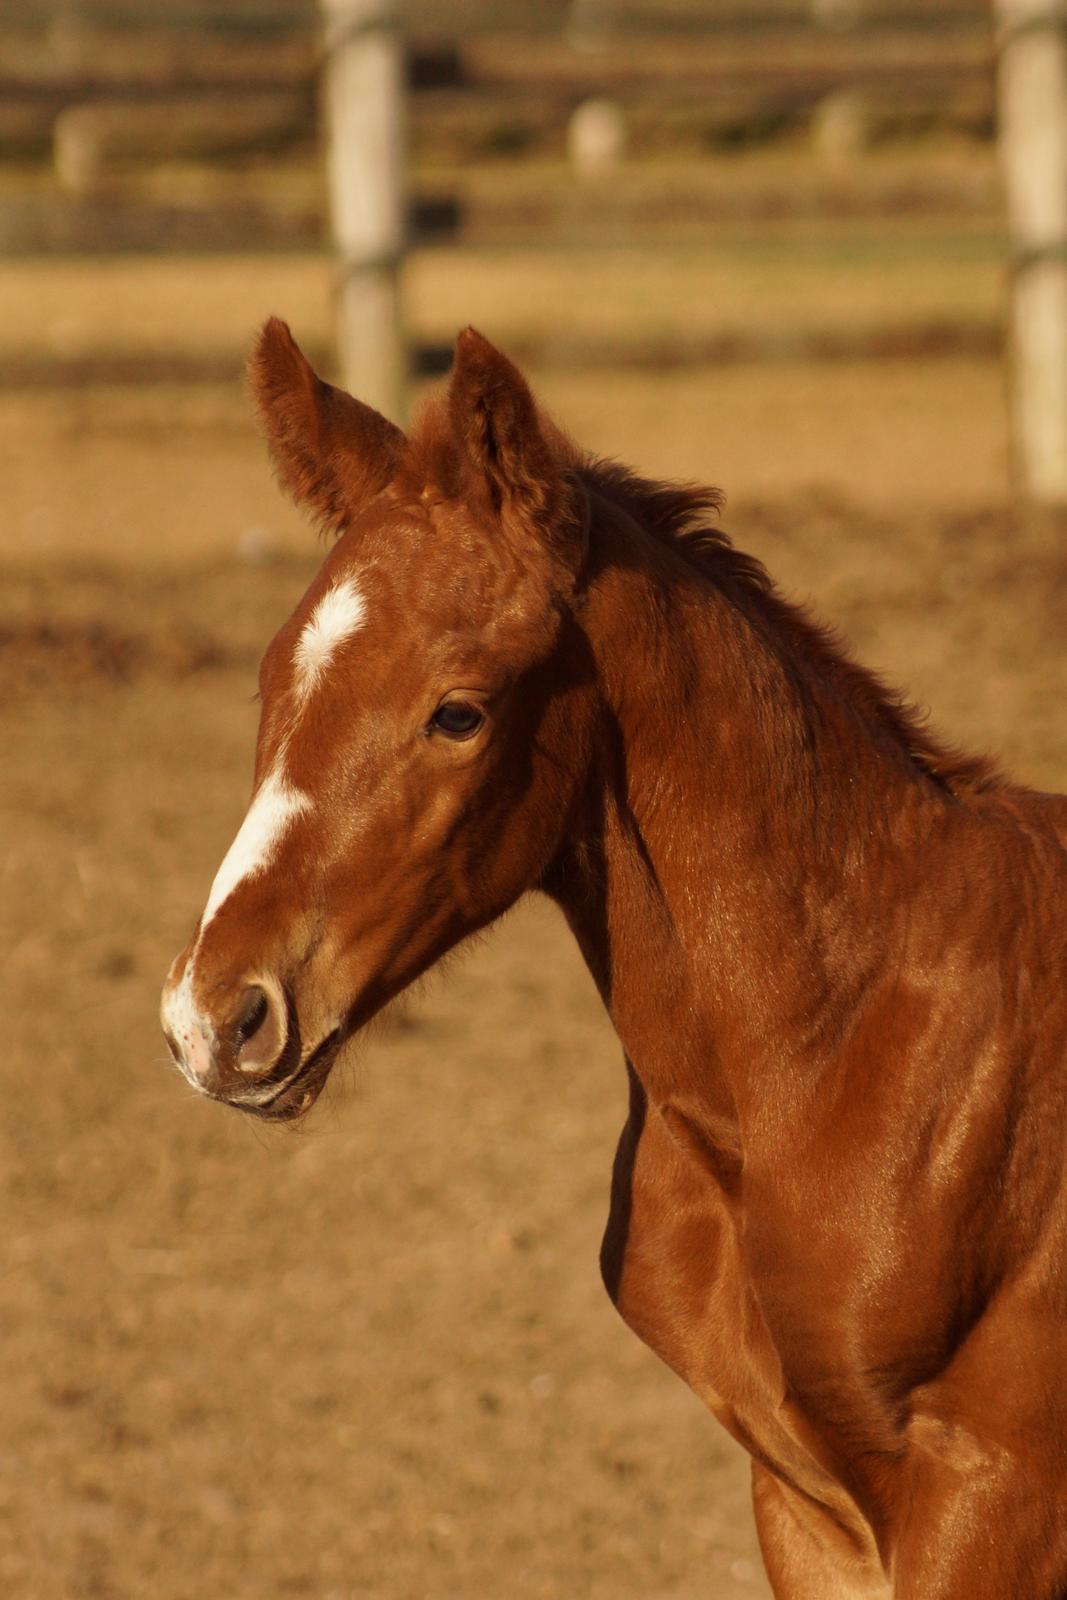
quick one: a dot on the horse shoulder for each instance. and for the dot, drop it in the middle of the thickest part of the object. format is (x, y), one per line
(674, 1264)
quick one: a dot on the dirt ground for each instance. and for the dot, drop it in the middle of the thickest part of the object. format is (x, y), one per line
(373, 1357)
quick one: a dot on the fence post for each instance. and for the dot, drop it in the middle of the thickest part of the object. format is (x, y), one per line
(1032, 105)
(364, 87)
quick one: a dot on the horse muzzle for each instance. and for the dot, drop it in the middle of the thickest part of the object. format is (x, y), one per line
(244, 1048)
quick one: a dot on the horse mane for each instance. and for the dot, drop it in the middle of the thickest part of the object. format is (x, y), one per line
(681, 513)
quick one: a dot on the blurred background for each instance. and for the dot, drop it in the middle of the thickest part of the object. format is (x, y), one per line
(765, 245)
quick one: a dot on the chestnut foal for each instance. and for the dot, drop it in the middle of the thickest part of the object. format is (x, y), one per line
(833, 950)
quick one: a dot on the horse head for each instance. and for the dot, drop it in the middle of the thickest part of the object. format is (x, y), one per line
(422, 711)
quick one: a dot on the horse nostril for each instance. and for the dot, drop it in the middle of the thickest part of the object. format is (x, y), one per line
(259, 1029)
(252, 1015)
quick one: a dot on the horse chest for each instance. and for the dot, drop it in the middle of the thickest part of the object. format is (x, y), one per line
(672, 1263)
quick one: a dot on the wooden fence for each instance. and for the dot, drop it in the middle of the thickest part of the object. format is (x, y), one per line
(101, 93)
(241, 78)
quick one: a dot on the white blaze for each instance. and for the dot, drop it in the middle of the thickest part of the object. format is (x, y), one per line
(276, 804)
(338, 614)
(269, 815)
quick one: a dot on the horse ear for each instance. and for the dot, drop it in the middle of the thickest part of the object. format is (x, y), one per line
(509, 450)
(330, 452)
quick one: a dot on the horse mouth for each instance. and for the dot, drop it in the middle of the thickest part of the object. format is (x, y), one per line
(298, 1093)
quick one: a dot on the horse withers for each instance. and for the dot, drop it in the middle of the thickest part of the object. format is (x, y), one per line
(833, 949)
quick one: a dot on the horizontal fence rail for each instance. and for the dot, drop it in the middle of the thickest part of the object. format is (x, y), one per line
(455, 18)
(146, 89)
(173, 125)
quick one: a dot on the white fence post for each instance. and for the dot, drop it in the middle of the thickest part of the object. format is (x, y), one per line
(1032, 104)
(364, 90)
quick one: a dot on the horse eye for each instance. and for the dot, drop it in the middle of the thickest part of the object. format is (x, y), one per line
(456, 718)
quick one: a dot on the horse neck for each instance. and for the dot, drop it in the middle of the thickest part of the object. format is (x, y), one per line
(745, 836)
